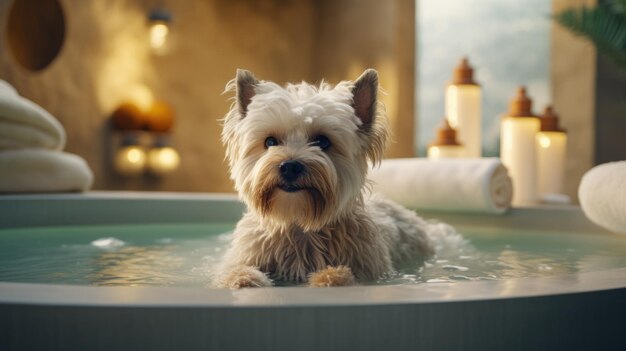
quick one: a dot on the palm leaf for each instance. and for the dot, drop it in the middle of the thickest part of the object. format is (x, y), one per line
(617, 7)
(605, 26)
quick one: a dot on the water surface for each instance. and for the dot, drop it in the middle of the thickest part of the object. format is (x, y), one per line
(186, 255)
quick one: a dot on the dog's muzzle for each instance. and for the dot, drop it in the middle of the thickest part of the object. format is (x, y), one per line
(291, 170)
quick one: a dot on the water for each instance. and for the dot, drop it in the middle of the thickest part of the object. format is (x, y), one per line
(186, 255)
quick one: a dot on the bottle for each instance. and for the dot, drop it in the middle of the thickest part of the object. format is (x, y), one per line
(551, 151)
(518, 129)
(463, 108)
(446, 145)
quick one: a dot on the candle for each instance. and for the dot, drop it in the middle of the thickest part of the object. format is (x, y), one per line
(551, 150)
(163, 160)
(463, 108)
(518, 129)
(130, 160)
(446, 145)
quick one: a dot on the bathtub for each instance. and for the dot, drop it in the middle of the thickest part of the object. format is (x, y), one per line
(573, 311)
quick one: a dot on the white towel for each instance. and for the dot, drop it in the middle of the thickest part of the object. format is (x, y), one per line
(602, 195)
(20, 136)
(461, 185)
(40, 170)
(6, 88)
(18, 110)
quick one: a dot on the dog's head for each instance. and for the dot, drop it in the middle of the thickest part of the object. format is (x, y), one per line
(299, 154)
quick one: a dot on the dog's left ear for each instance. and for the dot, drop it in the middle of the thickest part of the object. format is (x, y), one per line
(245, 89)
(364, 96)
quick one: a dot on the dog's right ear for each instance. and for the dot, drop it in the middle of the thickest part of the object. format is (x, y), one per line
(246, 82)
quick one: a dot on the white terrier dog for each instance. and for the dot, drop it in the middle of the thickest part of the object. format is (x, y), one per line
(299, 157)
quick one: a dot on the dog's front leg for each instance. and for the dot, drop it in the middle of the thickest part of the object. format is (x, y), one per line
(332, 276)
(241, 276)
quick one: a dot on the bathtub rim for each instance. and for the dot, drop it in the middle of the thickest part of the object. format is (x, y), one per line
(152, 296)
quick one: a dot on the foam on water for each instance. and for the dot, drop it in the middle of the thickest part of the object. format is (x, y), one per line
(108, 243)
(187, 254)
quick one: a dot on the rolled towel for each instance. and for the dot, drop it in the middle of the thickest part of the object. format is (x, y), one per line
(6, 88)
(20, 136)
(460, 185)
(18, 110)
(40, 170)
(602, 196)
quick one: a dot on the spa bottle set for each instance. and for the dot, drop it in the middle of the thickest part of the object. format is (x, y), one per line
(532, 148)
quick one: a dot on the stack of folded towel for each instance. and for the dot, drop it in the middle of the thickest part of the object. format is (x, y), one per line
(454, 184)
(31, 144)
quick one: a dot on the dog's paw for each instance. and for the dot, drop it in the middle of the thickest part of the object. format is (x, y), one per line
(244, 277)
(332, 276)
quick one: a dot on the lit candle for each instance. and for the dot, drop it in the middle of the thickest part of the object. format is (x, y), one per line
(162, 158)
(446, 145)
(159, 30)
(518, 129)
(130, 160)
(551, 149)
(463, 108)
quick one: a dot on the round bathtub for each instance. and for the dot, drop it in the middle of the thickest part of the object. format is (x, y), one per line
(567, 311)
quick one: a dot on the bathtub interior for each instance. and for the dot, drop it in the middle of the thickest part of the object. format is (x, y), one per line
(51, 217)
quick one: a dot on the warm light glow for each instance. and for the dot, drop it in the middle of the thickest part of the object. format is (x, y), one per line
(158, 35)
(134, 156)
(433, 152)
(124, 59)
(162, 160)
(544, 141)
(445, 151)
(130, 160)
(141, 96)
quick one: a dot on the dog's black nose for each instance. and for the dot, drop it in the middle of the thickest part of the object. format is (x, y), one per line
(291, 170)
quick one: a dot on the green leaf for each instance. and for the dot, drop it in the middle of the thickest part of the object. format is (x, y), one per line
(604, 26)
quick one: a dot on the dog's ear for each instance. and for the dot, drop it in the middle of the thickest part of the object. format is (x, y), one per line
(245, 89)
(364, 96)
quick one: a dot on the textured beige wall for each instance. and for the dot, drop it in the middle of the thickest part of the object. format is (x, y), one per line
(573, 77)
(356, 34)
(105, 56)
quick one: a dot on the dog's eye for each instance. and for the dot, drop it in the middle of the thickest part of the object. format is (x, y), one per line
(322, 141)
(270, 141)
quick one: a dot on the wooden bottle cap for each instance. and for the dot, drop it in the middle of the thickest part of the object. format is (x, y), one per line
(550, 121)
(463, 73)
(521, 105)
(446, 135)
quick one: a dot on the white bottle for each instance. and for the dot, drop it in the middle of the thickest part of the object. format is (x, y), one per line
(518, 129)
(463, 108)
(551, 151)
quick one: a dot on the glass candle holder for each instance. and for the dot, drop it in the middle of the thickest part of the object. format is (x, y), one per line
(551, 151)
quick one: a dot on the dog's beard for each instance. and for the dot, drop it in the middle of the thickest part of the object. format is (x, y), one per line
(309, 202)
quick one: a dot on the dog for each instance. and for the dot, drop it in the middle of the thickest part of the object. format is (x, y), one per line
(299, 157)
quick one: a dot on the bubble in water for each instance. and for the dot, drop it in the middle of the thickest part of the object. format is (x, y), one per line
(545, 267)
(108, 243)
